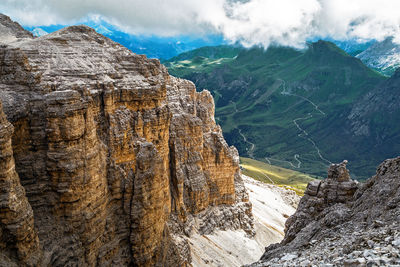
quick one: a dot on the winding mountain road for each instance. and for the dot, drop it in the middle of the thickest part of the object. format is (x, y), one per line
(303, 133)
(296, 157)
(252, 145)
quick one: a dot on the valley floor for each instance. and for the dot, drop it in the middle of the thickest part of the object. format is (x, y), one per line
(272, 205)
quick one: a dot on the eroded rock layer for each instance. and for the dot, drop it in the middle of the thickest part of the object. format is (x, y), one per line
(120, 162)
(18, 237)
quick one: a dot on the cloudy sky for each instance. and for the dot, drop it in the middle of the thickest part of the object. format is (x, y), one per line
(251, 22)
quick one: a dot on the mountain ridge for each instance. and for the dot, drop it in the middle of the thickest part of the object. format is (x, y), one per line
(151, 45)
(289, 102)
(382, 56)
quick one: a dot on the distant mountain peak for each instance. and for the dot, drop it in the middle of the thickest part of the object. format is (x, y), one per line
(323, 47)
(39, 32)
(103, 30)
(78, 29)
(11, 31)
(383, 56)
(151, 45)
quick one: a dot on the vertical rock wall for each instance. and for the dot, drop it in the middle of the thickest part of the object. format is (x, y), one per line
(120, 162)
(18, 237)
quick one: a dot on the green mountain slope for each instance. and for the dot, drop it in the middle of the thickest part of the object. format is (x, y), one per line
(203, 59)
(271, 174)
(291, 108)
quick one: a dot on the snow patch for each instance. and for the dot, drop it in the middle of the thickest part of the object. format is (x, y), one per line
(383, 56)
(39, 32)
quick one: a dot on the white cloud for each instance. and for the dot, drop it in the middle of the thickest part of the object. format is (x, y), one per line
(262, 22)
(251, 22)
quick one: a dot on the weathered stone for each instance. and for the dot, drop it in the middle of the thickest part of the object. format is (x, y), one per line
(320, 195)
(344, 223)
(339, 172)
(19, 242)
(120, 161)
(11, 31)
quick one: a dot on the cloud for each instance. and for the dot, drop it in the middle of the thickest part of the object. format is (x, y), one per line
(250, 22)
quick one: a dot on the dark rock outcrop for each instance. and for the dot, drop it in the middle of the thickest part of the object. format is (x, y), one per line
(119, 162)
(320, 195)
(18, 237)
(343, 223)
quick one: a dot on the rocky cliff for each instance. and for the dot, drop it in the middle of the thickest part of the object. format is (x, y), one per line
(340, 222)
(382, 56)
(116, 162)
(18, 236)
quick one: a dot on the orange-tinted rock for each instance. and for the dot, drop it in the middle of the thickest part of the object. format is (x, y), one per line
(120, 161)
(19, 242)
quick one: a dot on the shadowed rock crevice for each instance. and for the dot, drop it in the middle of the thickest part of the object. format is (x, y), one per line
(19, 241)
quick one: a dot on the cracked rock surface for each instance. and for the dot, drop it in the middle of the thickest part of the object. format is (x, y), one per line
(340, 222)
(117, 163)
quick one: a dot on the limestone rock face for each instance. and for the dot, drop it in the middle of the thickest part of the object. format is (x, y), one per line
(120, 162)
(341, 223)
(11, 31)
(18, 237)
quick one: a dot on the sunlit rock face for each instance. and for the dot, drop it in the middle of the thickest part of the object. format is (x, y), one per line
(119, 162)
